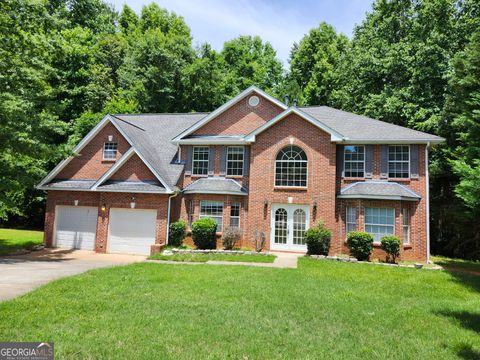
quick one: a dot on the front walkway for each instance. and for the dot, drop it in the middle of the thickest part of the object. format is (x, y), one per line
(23, 273)
(282, 260)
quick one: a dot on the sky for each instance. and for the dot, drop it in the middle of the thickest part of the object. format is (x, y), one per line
(279, 22)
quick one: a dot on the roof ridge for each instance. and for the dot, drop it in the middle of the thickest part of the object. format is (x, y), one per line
(165, 113)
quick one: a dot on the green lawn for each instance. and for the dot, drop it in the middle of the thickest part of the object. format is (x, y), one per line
(217, 257)
(323, 309)
(457, 264)
(11, 240)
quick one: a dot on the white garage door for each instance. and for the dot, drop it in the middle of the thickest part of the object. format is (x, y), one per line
(75, 227)
(132, 231)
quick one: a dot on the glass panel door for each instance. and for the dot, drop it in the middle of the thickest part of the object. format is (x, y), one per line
(281, 229)
(289, 223)
(299, 226)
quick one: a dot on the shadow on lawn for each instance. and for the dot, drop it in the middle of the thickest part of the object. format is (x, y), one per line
(470, 321)
(7, 247)
(466, 279)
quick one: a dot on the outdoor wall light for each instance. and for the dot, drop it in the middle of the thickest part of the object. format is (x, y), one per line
(315, 205)
(132, 203)
(104, 207)
(265, 202)
(75, 202)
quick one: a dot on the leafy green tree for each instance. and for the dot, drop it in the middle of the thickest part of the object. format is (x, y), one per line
(249, 61)
(128, 20)
(314, 64)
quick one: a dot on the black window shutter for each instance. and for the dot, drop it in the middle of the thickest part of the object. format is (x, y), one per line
(223, 165)
(340, 163)
(211, 161)
(384, 162)
(188, 161)
(246, 160)
(369, 161)
(414, 161)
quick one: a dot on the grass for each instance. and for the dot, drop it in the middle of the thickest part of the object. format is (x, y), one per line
(323, 309)
(12, 240)
(457, 264)
(216, 257)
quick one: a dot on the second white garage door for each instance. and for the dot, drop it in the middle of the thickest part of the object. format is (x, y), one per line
(132, 231)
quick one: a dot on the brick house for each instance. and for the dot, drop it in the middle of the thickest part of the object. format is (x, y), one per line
(254, 163)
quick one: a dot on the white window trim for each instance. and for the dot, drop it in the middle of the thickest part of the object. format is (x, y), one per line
(239, 213)
(210, 216)
(371, 224)
(226, 160)
(396, 161)
(355, 161)
(275, 172)
(193, 160)
(116, 151)
(409, 226)
(346, 218)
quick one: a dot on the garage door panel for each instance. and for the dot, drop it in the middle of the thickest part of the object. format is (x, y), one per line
(76, 227)
(132, 231)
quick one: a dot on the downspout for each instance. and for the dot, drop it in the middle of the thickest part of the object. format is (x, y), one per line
(168, 214)
(427, 193)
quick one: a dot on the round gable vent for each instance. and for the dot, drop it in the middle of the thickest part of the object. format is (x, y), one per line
(253, 101)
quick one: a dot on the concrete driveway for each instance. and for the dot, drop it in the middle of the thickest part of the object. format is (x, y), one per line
(21, 274)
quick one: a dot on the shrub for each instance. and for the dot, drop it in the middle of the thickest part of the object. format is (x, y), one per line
(391, 245)
(317, 239)
(177, 232)
(360, 244)
(230, 237)
(203, 233)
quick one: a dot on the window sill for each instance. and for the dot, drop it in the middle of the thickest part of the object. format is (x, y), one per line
(399, 179)
(354, 178)
(198, 176)
(233, 176)
(303, 188)
(107, 161)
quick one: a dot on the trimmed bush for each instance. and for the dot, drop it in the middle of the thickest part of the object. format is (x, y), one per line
(391, 245)
(203, 233)
(230, 237)
(318, 239)
(177, 232)
(360, 244)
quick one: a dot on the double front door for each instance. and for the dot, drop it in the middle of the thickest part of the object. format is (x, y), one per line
(289, 222)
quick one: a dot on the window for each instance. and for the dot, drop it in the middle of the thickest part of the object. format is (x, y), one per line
(110, 151)
(214, 210)
(406, 225)
(235, 160)
(190, 213)
(291, 167)
(399, 161)
(379, 222)
(200, 160)
(354, 159)
(299, 226)
(351, 219)
(235, 215)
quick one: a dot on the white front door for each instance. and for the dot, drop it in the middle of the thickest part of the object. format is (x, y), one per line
(289, 222)
(131, 231)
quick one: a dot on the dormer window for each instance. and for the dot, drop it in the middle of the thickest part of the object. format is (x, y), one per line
(110, 150)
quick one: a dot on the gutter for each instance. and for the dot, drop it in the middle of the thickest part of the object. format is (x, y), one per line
(427, 196)
(175, 194)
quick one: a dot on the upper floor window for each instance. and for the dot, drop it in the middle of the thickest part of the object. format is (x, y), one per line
(291, 167)
(200, 160)
(214, 210)
(354, 161)
(399, 161)
(110, 151)
(235, 160)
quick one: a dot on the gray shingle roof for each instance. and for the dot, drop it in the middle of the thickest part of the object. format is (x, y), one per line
(378, 190)
(151, 135)
(131, 186)
(60, 184)
(362, 128)
(215, 185)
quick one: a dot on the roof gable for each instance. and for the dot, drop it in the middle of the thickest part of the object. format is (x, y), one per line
(335, 135)
(224, 108)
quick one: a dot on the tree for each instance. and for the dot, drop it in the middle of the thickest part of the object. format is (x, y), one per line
(249, 61)
(314, 64)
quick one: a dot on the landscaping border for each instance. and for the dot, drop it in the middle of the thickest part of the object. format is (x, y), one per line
(355, 260)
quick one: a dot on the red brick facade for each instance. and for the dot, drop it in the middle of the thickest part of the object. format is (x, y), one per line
(319, 196)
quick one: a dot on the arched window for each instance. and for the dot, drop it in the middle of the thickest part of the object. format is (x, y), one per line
(291, 167)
